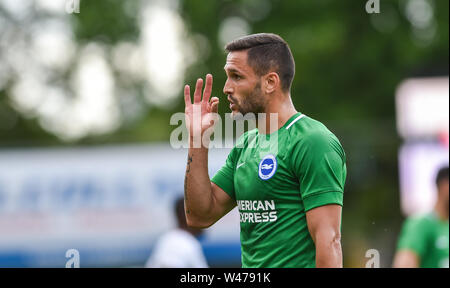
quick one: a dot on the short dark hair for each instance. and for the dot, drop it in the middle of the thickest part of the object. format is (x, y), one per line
(442, 175)
(267, 52)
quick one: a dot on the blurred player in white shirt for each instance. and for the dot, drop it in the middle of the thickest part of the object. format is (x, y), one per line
(178, 248)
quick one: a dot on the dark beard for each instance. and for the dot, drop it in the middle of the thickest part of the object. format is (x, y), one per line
(254, 102)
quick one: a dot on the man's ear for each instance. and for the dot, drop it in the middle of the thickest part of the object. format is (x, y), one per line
(271, 82)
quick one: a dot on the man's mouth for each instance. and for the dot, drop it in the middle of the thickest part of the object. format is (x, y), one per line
(232, 105)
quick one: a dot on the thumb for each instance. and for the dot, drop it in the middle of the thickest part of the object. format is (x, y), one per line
(214, 104)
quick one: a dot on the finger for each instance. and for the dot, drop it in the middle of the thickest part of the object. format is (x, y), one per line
(187, 96)
(198, 91)
(208, 88)
(213, 99)
(214, 105)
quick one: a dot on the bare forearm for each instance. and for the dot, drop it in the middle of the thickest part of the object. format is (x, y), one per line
(197, 185)
(328, 252)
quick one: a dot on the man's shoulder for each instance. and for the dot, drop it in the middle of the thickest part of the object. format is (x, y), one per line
(421, 221)
(307, 126)
(309, 131)
(427, 218)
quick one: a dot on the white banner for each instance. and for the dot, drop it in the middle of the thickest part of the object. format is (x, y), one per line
(110, 203)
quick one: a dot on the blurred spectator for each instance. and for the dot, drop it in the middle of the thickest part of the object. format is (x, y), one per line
(424, 240)
(178, 248)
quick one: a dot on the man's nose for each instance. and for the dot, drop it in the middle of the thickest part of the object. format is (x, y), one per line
(227, 89)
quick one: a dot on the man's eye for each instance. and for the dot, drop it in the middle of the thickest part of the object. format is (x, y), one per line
(237, 77)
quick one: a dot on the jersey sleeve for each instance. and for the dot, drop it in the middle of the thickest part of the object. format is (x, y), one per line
(414, 236)
(319, 163)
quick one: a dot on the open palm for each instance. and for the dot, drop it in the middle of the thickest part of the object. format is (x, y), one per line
(200, 115)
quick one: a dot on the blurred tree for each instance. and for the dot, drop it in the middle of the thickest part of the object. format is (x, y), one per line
(348, 65)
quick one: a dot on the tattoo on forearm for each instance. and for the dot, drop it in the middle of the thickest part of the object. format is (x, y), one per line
(188, 169)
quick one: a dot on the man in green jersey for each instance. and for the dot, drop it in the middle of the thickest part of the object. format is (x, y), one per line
(289, 195)
(424, 239)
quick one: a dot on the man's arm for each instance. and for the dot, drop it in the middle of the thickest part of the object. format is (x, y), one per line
(324, 226)
(406, 259)
(205, 202)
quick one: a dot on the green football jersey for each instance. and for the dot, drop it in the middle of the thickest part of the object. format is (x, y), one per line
(275, 179)
(427, 236)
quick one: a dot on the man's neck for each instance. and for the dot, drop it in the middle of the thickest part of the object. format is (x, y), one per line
(278, 112)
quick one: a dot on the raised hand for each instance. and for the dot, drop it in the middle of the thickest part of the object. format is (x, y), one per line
(201, 114)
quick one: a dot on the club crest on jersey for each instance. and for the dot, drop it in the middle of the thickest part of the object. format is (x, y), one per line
(267, 167)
